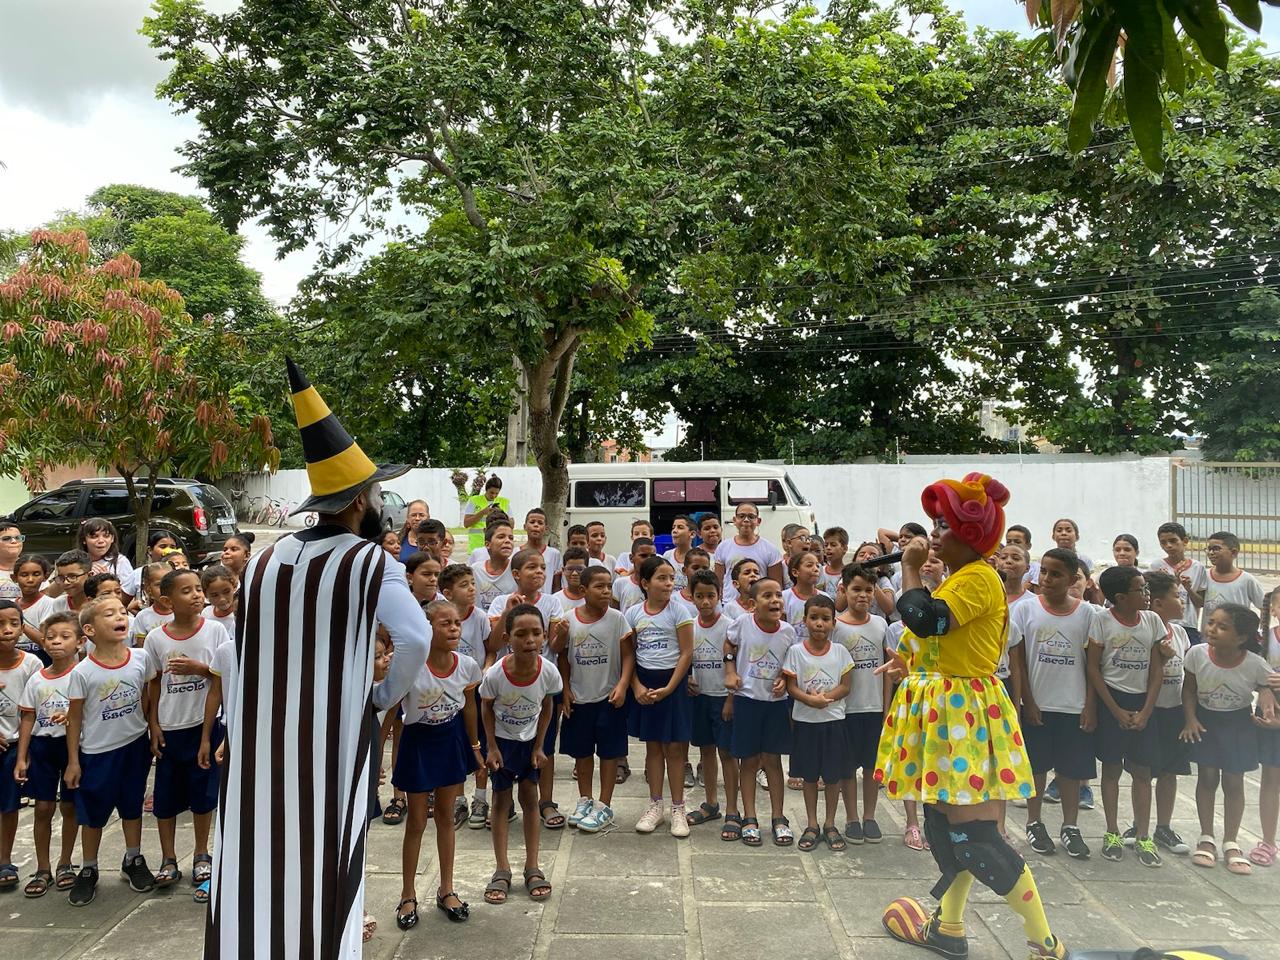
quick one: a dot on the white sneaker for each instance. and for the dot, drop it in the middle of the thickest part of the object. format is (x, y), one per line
(584, 807)
(679, 821)
(651, 819)
(761, 778)
(597, 819)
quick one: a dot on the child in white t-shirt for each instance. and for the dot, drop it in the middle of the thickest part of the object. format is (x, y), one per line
(712, 729)
(535, 528)
(745, 572)
(516, 708)
(571, 594)
(747, 544)
(458, 584)
(626, 589)
(596, 667)
(835, 545)
(819, 676)
(155, 609)
(1190, 575)
(806, 573)
(682, 540)
(181, 653)
(493, 575)
(639, 528)
(597, 537)
(30, 573)
(1227, 583)
(16, 668)
(220, 585)
(695, 559)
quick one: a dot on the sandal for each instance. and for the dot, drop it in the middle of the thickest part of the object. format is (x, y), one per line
(38, 885)
(834, 840)
(1205, 858)
(168, 874)
(751, 832)
(782, 833)
(394, 814)
(8, 876)
(705, 813)
(1237, 863)
(535, 880)
(623, 775)
(913, 838)
(407, 921)
(808, 838)
(499, 887)
(556, 820)
(201, 895)
(64, 877)
(732, 829)
(1264, 854)
(795, 783)
(201, 869)
(368, 928)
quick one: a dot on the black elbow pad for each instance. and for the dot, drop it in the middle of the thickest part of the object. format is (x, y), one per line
(923, 615)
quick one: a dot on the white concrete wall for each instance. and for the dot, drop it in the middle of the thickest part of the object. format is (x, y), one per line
(1104, 496)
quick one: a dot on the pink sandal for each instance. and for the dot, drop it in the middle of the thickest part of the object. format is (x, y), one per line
(913, 838)
(1264, 854)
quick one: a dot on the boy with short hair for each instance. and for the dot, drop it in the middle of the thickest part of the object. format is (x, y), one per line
(710, 532)
(42, 753)
(493, 575)
(1226, 583)
(16, 668)
(639, 528)
(682, 543)
(429, 536)
(535, 528)
(72, 570)
(795, 541)
(571, 595)
(1020, 535)
(576, 536)
(835, 545)
(597, 537)
(712, 706)
(695, 559)
(458, 585)
(626, 590)
(108, 747)
(745, 572)
(1190, 575)
(1125, 670)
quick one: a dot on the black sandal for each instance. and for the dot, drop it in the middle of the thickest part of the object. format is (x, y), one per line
(168, 874)
(705, 813)
(732, 829)
(38, 885)
(407, 921)
(64, 877)
(500, 882)
(834, 839)
(455, 914)
(808, 838)
(394, 814)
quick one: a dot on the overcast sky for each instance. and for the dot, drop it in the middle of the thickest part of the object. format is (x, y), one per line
(78, 110)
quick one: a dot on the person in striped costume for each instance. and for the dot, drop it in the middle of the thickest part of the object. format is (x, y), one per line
(288, 876)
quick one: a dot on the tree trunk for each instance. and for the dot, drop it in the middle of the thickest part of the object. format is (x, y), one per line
(548, 390)
(141, 503)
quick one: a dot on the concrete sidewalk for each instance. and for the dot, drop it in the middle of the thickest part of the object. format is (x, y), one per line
(630, 897)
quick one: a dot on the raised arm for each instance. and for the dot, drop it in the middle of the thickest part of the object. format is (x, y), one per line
(410, 632)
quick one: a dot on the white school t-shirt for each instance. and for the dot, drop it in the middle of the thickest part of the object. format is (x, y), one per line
(708, 655)
(733, 609)
(554, 562)
(33, 615)
(547, 605)
(475, 633)
(817, 673)
(609, 563)
(489, 587)
(146, 621)
(228, 622)
(1194, 571)
(568, 603)
(113, 697)
(123, 571)
(594, 652)
(1271, 648)
(793, 611)
(681, 580)
(657, 646)
(1012, 637)
(1223, 689)
(830, 583)
(627, 593)
(865, 643)
(182, 695)
(764, 553)
(1243, 589)
(434, 699)
(515, 705)
(12, 682)
(225, 666)
(44, 696)
(1126, 648)
(760, 656)
(1171, 686)
(1055, 649)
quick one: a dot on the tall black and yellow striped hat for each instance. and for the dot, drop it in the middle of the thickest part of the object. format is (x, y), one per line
(336, 466)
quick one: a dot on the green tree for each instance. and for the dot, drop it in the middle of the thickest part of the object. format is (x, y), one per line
(100, 365)
(1239, 405)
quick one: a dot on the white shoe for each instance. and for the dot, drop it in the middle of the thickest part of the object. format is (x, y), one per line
(651, 819)
(761, 778)
(597, 819)
(584, 807)
(679, 821)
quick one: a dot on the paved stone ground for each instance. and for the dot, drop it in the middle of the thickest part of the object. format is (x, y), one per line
(625, 896)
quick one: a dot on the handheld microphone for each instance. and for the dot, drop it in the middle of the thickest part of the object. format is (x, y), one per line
(882, 561)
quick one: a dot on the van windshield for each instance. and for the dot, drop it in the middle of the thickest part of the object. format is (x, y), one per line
(796, 496)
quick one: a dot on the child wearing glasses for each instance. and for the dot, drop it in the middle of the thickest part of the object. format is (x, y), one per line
(747, 544)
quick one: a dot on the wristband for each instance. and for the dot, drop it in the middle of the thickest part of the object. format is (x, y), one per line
(476, 745)
(730, 658)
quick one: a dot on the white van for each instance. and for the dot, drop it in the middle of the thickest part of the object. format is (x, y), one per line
(616, 494)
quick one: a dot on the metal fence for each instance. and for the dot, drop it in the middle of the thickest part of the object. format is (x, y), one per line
(1243, 498)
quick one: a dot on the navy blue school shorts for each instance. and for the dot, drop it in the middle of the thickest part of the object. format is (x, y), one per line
(517, 764)
(595, 729)
(113, 781)
(48, 762)
(1061, 746)
(181, 784)
(862, 734)
(710, 729)
(1112, 744)
(10, 794)
(760, 726)
(1173, 754)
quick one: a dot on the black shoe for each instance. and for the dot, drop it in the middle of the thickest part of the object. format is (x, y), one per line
(871, 831)
(1112, 847)
(1038, 837)
(407, 921)
(929, 937)
(1074, 843)
(85, 888)
(141, 880)
(1130, 836)
(455, 914)
(1168, 838)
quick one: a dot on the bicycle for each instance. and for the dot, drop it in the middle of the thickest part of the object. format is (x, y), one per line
(247, 510)
(284, 510)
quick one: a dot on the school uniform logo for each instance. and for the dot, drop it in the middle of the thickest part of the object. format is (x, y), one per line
(50, 701)
(816, 679)
(179, 683)
(590, 650)
(650, 638)
(517, 710)
(706, 655)
(761, 663)
(1056, 649)
(118, 699)
(865, 652)
(1133, 654)
(1218, 696)
(439, 706)
(8, 706)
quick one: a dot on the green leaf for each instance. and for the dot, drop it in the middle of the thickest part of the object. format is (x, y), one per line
(1203, 21)
(1092, 85)
(1146, 111)
(1247, 12)
(1175, 73)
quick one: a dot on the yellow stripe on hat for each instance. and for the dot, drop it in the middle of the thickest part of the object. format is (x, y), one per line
(342, 470)
(309, 407)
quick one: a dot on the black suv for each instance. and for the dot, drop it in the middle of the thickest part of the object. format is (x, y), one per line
(197, 514)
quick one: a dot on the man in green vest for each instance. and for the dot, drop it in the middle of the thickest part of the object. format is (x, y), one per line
(480, 507)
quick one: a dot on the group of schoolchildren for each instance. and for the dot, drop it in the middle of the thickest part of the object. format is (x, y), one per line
(750, 651)
(105, 673)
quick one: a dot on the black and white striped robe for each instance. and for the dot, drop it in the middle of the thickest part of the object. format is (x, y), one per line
(288, 876)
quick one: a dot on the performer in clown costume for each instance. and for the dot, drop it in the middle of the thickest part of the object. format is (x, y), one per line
(951, 739)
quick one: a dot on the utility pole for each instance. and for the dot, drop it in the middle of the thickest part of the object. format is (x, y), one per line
(517, 447)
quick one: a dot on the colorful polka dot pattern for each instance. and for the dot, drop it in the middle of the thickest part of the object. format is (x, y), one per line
(952, 740)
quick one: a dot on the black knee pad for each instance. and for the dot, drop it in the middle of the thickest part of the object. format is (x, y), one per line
(936, 831)
(978, 847)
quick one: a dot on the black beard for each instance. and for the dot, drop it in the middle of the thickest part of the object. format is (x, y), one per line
(370, 524)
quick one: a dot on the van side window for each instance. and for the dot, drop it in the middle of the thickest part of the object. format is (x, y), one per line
(759, 492)
(609, 493)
